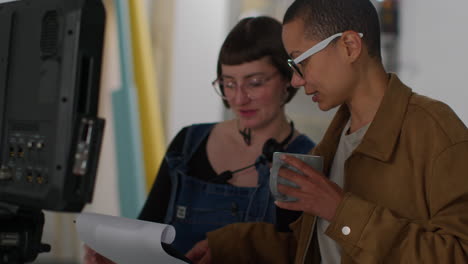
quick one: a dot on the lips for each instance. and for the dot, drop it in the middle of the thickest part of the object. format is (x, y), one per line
(315, 97)
(247, 113)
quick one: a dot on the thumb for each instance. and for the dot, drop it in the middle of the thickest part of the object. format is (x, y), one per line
(206, 258)
(197, 252)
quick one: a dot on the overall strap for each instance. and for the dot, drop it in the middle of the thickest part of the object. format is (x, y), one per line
(179, 161)
(195, 135)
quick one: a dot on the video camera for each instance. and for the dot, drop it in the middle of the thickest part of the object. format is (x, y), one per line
(50, 134)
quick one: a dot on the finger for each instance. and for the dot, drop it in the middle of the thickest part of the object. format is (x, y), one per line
(302, 166)
(88, 260)
(99, 259)
(194, 255)
(206, 259)
(89, 257)
(191, 253)
(289, 191)
(88, 250)
(197, 252)
(292, 176)
(297, 205)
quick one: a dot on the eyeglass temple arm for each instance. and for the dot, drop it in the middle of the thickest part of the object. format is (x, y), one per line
(320, 46)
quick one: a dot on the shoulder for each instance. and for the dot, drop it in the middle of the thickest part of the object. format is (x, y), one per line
(304, 139)
(201, 126)
(198, 129)
(194, 130)
(222, 129)
(301, 144)
(428, 115)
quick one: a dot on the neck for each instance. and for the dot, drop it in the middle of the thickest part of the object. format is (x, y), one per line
(279, 128)
(367, 96)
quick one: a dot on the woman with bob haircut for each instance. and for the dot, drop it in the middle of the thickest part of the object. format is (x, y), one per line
(217, 174)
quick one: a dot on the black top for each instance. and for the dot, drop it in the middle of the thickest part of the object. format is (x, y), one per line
(199, 166)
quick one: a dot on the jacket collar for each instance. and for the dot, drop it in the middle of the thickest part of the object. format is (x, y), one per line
(382, 135)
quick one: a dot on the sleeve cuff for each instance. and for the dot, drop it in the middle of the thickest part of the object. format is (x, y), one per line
(352, 216)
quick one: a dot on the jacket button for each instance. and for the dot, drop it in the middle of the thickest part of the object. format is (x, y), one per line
(346, 230)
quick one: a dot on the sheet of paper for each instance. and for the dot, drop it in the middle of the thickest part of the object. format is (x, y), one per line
(124, 240)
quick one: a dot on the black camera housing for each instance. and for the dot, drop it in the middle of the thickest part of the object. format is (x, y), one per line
(50, 135)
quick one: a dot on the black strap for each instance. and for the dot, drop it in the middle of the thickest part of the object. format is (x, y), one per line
(227, 175)
(289, 137)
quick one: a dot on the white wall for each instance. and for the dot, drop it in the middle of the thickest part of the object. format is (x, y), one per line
(434, 50)
(199, 30)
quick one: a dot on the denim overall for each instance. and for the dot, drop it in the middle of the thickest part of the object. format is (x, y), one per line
(197, 207)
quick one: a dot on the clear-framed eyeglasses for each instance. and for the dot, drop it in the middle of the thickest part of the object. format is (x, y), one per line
(253, 86)
(295, 65)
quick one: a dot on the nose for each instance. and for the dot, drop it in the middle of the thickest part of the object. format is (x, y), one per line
(297, 81)
(241, 97)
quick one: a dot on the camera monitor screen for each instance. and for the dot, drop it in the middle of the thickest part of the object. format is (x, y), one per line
(50, 135)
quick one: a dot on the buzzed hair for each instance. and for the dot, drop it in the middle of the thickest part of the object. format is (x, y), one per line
(323, 18)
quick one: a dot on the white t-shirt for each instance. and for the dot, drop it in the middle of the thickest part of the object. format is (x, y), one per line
(329, 249)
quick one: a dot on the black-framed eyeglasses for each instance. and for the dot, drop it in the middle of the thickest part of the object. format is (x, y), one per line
(294, 64)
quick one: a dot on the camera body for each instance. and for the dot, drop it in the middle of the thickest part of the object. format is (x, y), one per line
(50, 59)
(50, 133)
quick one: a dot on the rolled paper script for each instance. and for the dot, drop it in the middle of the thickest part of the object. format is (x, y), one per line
(124, 240)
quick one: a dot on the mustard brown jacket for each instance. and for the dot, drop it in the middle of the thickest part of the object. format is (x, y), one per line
(406, 196)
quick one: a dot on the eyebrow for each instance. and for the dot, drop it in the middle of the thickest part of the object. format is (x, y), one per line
(244, 77)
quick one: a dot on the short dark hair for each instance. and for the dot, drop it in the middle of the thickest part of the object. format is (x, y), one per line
(254, 38)
(323, 18)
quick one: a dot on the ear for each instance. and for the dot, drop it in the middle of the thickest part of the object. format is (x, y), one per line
(353, 45)
(287, 84)
(286, 93)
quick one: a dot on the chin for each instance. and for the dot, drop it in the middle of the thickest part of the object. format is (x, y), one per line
(248, 123)
(253, 123)
(325, 107)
